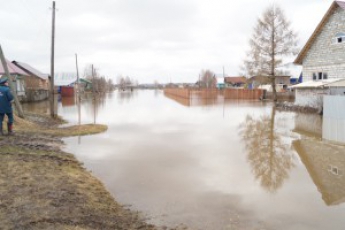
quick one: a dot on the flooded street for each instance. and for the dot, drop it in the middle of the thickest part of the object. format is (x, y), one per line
(212, 164)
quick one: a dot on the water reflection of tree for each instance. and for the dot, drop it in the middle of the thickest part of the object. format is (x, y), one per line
(270, 158)
(126, 95)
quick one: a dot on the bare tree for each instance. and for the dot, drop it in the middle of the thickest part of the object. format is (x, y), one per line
(208, 79)
(99, 83)
(125, 82)
(271, 40)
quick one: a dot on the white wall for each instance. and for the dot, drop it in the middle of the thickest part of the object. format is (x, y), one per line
(333, 127)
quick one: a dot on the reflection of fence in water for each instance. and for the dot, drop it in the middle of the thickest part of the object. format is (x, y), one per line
(192, 97)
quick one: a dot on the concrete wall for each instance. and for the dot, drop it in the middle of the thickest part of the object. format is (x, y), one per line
(314, 97)
(310, 97)
(34, 95)
(325, 54)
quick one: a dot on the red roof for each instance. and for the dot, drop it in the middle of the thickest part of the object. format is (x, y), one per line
(235, 80)
(13, 69)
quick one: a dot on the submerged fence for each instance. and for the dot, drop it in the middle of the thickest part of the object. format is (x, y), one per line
(245, 94)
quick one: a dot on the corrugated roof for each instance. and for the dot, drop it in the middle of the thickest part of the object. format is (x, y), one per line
(320, 84)
(13, 69)
(29, 69)
(64, 79)
(302, 53)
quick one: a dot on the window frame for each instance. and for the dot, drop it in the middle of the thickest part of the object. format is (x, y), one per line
(319, 76)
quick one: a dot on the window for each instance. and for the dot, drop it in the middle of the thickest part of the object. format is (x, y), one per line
(320, 76)
(314, 76)
(340, 37)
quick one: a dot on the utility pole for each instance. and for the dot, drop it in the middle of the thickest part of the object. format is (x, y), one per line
(7, 73)
(93, 82)
(76, 63)
(52, 91)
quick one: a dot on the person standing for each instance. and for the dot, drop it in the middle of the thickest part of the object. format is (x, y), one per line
(6, 99)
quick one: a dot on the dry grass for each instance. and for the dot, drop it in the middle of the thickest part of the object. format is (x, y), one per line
(44, 125)
(44, 188)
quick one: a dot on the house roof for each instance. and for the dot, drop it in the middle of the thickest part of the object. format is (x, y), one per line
(29, 69)
(13, 69)
(235, 80)
(64, 79)
(303, 52)
(85, 80)
(338, 82)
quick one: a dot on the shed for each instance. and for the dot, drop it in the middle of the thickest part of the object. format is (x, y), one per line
(65, 83)
(311, 93)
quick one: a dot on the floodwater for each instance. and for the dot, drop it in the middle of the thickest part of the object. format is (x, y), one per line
(212, 164)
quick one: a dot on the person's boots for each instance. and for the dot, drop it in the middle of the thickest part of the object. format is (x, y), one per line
(10, 129)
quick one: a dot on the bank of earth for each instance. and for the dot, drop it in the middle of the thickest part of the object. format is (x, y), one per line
(42, 187)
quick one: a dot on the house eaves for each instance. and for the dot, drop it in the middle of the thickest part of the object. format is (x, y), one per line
(320, 84)
(12, 69)
(303, 52)
(30, 70)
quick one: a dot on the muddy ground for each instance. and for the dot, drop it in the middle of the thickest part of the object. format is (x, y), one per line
(42, 187)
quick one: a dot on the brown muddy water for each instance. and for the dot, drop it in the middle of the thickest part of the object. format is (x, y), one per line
(212, 164)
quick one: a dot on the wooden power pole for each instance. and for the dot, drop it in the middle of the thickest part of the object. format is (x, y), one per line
(52, 91)
(7, 73)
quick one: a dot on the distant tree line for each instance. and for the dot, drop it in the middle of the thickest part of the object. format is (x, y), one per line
(124, 83)
(99, 83)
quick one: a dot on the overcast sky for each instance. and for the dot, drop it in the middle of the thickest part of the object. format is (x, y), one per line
(163, 40)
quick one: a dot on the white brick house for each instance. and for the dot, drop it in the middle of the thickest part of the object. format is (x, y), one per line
(323, 56)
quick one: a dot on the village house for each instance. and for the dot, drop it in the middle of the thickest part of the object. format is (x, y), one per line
(18, 76)
(235, 82)
(36, 83)
(323, 59)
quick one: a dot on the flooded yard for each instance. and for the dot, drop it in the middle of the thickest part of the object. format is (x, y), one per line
(212, 164)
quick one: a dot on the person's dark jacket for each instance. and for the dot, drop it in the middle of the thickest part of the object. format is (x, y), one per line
(6, 99)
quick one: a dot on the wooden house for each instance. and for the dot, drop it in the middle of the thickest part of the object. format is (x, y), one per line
(36, 83)
(18, 76)
(231, 82)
